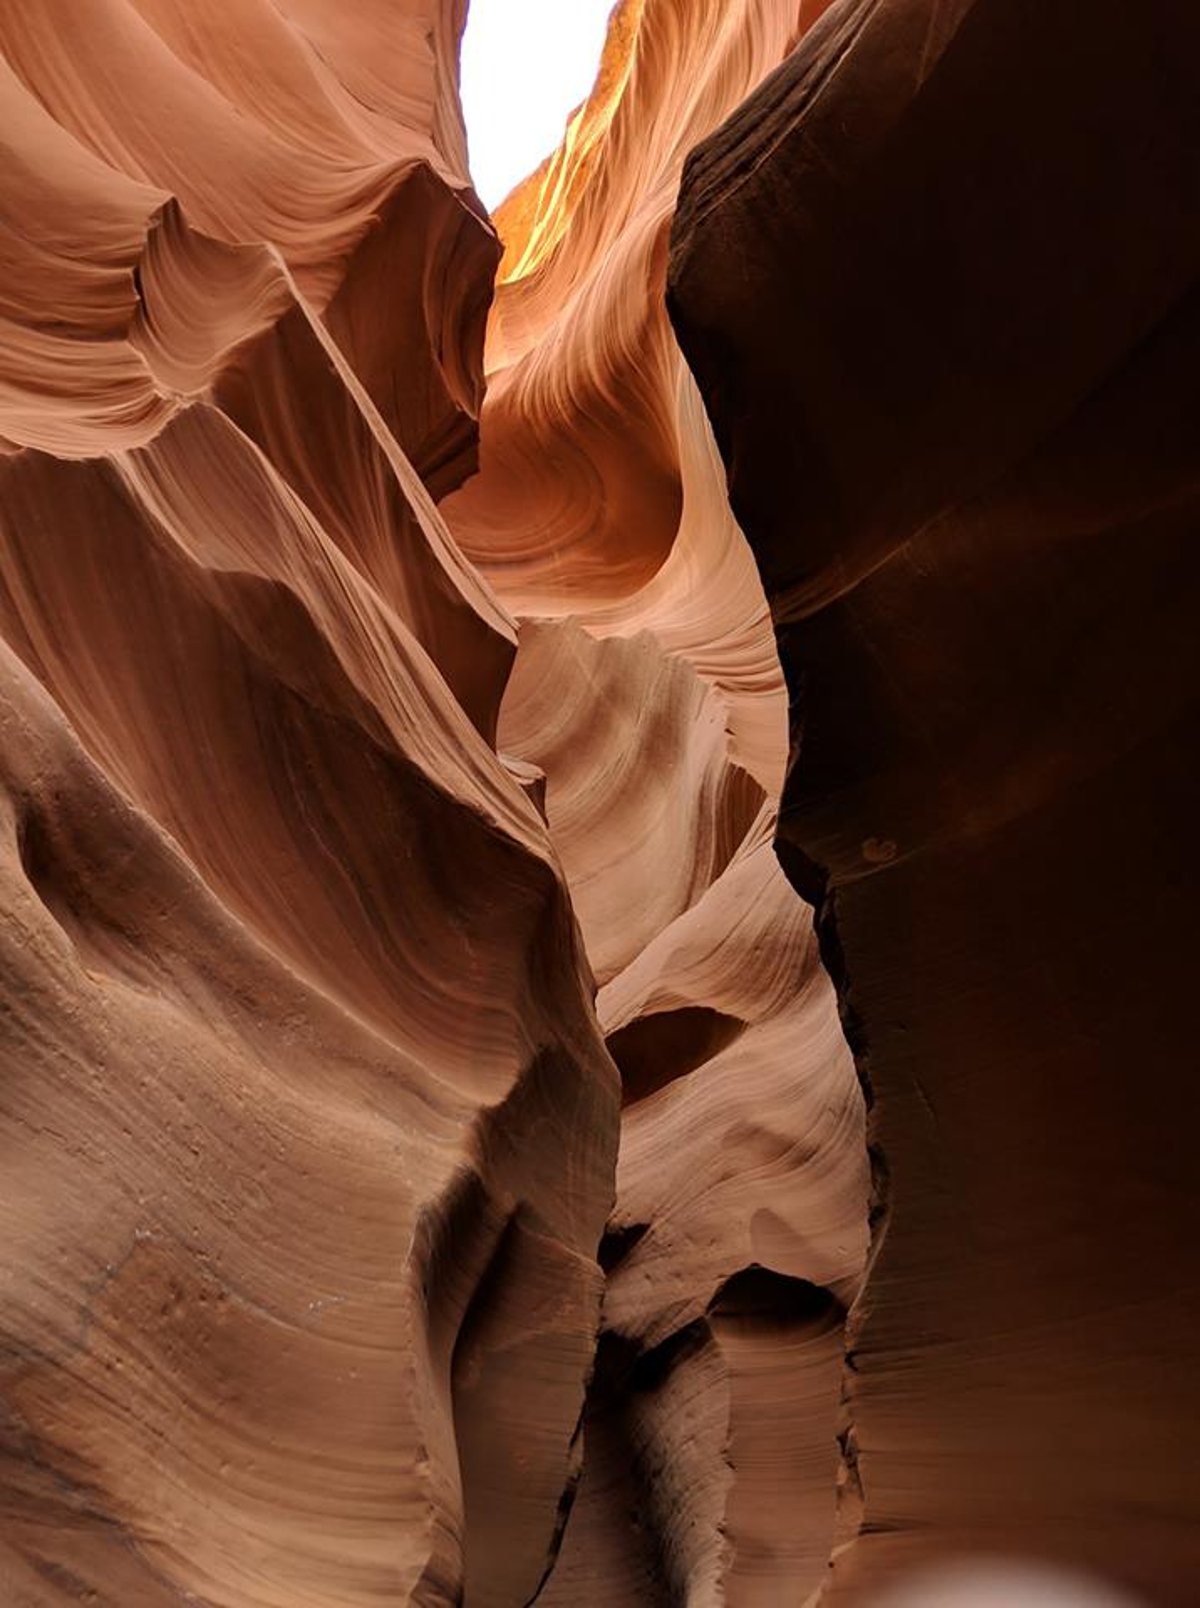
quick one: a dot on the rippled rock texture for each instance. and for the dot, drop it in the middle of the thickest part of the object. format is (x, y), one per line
(647, 693)
(954, 382)
(323, 821)
(436, 1158)
(309, 1128)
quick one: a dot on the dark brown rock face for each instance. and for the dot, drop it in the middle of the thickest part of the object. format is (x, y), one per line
(954, 380)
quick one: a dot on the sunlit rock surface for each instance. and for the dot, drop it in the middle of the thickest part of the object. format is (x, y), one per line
(954, 381)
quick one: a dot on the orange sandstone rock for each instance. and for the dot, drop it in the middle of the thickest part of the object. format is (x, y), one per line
(308, 1123)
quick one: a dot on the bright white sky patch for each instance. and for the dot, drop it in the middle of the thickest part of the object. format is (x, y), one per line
(526, 65)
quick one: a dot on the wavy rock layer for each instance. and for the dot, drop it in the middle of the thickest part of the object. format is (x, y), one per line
(309, 1128)
(953, 381)
(435, 1169)
(648, 702)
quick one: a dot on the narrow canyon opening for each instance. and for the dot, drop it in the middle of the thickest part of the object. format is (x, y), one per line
(524, 67)
(648, 699)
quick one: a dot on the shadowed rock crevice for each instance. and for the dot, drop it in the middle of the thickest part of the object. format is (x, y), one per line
(652, 1051)
(695, 1479)
(618, 1243)
(759, 1295)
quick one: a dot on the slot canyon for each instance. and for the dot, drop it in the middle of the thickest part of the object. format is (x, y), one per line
(594, 811)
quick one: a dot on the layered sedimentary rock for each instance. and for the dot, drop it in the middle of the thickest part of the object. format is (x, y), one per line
(325, 822)
(648, 695)
(309, 1129)
(435, 1146)
(953, 380)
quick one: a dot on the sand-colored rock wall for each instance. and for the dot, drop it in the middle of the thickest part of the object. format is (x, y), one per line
(309, 1128)
(595, 896)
